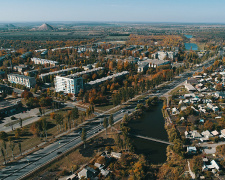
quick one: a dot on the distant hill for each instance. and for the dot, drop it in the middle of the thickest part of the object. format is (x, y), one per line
(10, 26)
(45, 27)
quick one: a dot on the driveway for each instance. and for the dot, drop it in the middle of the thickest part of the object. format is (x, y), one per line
(212, 147)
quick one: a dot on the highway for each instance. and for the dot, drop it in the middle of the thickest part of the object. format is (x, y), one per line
(34, 161)
(37, 159)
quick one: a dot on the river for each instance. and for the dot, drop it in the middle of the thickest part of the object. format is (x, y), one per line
(190, 46)
(188, 36)
(151, 125)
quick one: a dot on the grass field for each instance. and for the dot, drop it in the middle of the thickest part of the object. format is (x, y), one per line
(200, 45)
(181, 90)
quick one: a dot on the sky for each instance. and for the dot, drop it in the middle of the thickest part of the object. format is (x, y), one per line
(191, 11)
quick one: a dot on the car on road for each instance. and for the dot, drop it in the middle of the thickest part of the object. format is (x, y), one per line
(59, 152)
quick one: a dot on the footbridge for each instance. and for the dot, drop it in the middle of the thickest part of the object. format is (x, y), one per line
(152, 139)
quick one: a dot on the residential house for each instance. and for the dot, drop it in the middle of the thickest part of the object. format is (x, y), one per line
(87, 172)
(212, 107)
(215, 133)
(190, 95)
(105, 172)
(222, 132)
(220, 95)
(116, 155)
(206, 135)
(192, 134)
(99, 166)
(191, 150)
(175, 111)
(189, 87)
(210, 166)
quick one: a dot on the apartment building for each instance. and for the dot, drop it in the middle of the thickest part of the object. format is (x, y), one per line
(68, 84)
(107, 78)
(43, 61)
(21, 79)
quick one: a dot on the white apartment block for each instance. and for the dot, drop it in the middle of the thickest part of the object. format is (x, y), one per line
(68, 84)
(21, 79)
(43, 61)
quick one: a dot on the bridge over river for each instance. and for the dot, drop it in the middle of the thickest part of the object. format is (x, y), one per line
(152, 139)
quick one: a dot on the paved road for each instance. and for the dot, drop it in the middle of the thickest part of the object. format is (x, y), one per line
(210, 148)
(42, 156)
(22, 167)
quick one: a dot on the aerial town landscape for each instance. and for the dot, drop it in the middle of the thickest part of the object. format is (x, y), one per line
(111, 97)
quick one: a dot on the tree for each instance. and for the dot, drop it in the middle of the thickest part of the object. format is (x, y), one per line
(21, 123)
(219, 87)
(197, 164)
(14, 94)
(3, 135)
(52, 115)
(18, 133)
(111, 120)
(59, 121)
(5, 147)
(3, 154)
(26, 94)
(74, 113)
(40, 110)
(44, 125)
(20, 148)
(208, 125)
(84, 136)
(105, 125)
(12, 146)
(34, 129)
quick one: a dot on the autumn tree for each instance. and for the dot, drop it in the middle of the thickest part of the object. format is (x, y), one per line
(105, 124)
(111, 120)
(84, 136)
(26, 94)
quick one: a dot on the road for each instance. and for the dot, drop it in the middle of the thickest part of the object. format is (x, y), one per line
(210, 148)
(36, 160)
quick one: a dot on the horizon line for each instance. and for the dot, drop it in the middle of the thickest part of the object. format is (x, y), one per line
(84, 21)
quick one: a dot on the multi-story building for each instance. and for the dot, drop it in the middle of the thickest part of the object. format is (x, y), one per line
(21, 68)
(43, 61)
(107, 78)
(68, 84)
(21, 79)
(41, 76)
(153, 63)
